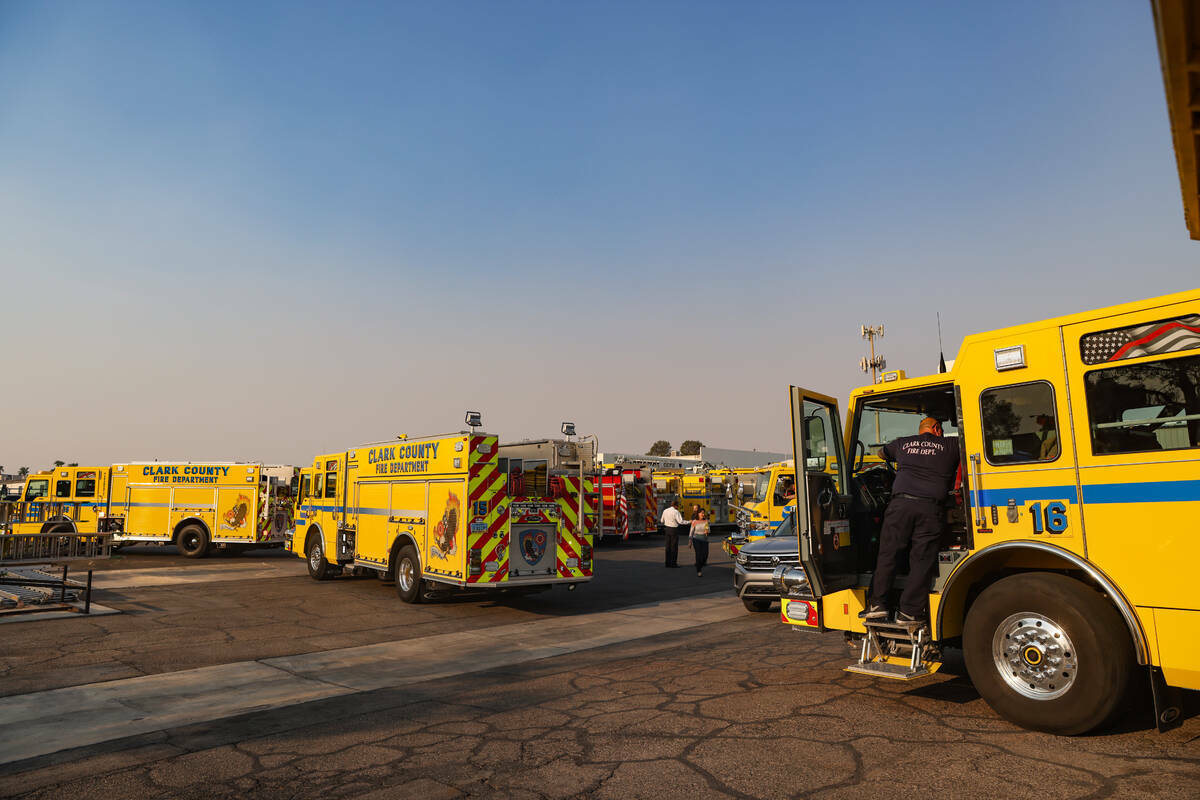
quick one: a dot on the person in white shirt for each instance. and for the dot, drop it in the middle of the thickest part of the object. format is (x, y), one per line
(672, 521)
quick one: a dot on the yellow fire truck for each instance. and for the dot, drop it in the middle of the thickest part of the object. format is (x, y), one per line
(694, 490)
(435, 514)
(59, 500)
(196, 506)
(773, 498)
(1067, 555)
(763, 499)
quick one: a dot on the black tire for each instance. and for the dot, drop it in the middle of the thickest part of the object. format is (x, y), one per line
(756, 605)
(407, 573)
(192, 541)
(60, 527)
(1069, 624)
(319, 568)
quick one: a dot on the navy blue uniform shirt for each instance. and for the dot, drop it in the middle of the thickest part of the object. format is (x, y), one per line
(927, 464)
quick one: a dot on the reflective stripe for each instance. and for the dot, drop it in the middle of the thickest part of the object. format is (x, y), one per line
(1149, 492)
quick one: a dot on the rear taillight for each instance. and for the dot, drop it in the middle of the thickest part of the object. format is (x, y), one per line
(802, 611)
(475, 562)
(585, 552)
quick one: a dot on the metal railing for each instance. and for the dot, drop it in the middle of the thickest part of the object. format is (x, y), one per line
(42, 548)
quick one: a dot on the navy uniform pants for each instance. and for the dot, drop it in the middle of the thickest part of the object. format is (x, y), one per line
(916, 525)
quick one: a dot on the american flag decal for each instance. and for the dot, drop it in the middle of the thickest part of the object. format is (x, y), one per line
(1154, 339)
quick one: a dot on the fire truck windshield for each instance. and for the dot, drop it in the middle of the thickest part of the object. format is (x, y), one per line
(762, 486)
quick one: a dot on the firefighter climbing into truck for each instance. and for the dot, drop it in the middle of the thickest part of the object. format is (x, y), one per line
(1056, 569)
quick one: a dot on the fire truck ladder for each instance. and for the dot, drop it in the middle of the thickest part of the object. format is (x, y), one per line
(891, 650)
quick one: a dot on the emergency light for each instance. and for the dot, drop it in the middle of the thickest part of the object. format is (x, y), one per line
(474, 419)
(1010, 357)
(568, 429)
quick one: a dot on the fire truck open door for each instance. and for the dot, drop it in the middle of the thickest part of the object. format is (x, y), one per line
(822, 517)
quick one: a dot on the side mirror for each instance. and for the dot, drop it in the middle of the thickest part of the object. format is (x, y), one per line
(814, 439)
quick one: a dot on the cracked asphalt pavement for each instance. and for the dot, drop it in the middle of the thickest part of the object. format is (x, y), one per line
(743, 708)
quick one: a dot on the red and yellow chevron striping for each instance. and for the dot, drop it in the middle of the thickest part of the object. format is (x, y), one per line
(651, 508)
(488, 501)
(574, 555)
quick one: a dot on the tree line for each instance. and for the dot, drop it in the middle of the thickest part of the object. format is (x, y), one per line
(690, 447)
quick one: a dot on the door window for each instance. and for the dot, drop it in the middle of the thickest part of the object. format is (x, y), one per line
(820, 450)
(331, 479)
(1019, 424)
(1144, 407)
(318, 483)
(306, 486)
(785, 488)
(62, 489)
(85, 484)
(37, 489)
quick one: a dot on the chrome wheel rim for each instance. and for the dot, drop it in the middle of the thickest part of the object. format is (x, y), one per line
(314, 557)
(1035, 656)
(405, 576)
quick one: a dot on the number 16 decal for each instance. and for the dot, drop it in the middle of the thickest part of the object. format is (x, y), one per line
(1054, 516)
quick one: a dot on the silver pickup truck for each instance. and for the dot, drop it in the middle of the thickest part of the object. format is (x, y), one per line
(755, 563)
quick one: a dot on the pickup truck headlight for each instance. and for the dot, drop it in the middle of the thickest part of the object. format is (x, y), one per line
(743, 558)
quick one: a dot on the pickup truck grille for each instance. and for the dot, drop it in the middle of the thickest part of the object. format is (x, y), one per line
(758, 562)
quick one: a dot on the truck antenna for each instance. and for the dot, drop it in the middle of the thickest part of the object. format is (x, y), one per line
(941, 351)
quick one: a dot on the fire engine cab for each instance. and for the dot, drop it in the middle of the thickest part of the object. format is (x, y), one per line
(1066, 566)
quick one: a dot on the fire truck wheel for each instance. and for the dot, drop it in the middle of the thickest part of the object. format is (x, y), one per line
(1048, 652)
(408, 575)
(318, 566)
(752, 604)
(192, 541)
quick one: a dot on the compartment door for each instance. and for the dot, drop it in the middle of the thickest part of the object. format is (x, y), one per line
(149, 510)
(235, 512)
(371, 512)
(822, 524)
(445, 551)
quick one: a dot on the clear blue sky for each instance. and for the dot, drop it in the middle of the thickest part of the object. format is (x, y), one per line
(264, 230)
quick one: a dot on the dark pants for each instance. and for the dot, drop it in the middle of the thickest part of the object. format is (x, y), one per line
(917, 525)
(672, 537)
(701, 548)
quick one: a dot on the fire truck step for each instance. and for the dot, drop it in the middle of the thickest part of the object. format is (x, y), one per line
(895, 651)
(886, 627)
(882, 669)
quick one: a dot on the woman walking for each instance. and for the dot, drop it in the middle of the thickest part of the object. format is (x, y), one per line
(699, 539)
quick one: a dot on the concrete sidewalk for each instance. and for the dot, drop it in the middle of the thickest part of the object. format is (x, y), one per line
(77, 716)
(172, 576)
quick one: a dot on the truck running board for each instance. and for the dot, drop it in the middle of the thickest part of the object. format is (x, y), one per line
(894, 651)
